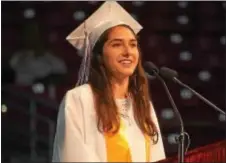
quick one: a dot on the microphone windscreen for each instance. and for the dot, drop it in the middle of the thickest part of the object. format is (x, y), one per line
(150, 77)
(168, 73)
(150, 67)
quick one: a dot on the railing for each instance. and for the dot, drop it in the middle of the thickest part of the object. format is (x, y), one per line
(34, 135)
(34, 118)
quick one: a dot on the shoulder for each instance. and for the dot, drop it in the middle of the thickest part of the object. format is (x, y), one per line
(82, 92)
(79, 90)
(75, 99)
(152, 109)
(153, 113)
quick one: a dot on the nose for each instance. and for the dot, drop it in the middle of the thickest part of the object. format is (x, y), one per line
(127, 50)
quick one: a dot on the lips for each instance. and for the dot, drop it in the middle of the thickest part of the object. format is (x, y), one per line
(125, 61)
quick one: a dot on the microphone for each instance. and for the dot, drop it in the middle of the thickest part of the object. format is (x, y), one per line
(172, 75)
(150, 77)
(153, 70)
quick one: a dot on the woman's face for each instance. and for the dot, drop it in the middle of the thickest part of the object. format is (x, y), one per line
(120, 52)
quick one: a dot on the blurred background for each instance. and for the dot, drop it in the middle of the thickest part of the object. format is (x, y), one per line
(39, 66)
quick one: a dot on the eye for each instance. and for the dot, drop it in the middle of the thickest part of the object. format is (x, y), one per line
(133, 45)
(116, 44)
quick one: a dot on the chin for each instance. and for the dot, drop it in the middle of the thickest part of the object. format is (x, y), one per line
(127, 73)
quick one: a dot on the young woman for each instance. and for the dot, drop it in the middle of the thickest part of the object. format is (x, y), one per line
(110, 118)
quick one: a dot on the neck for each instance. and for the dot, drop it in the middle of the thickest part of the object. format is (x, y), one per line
(120, 87)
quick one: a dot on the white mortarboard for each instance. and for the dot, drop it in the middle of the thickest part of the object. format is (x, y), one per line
(84, 37)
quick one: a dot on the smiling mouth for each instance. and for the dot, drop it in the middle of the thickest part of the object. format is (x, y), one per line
(125, 61)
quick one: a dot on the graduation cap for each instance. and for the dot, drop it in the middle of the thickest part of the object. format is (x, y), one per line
(85, 36)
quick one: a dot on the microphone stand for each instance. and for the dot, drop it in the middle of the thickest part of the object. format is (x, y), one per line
(181, 138)
(198, 95)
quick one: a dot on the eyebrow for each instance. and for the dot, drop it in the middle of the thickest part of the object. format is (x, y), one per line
(118, 39)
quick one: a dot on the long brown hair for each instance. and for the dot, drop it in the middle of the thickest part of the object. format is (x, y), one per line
(106, 109)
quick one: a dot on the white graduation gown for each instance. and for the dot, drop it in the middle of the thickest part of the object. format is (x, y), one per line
(77, 138)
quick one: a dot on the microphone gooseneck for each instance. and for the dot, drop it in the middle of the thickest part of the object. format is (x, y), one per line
(153, 70)
(172, 75)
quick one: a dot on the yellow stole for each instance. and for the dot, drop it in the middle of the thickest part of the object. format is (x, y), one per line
(117, 147)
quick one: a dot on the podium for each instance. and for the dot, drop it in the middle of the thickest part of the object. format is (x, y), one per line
(210, 153)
